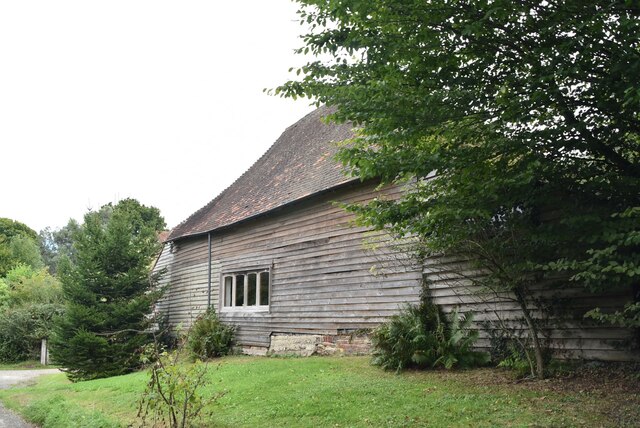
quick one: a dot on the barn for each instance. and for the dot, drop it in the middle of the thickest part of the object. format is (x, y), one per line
(277, 256)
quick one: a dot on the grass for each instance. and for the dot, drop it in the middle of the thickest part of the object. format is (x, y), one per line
(25, 365)
(331, 392)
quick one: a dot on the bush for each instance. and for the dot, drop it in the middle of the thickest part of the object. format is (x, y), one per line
(513, 352)
(29, 301)
(28, 285)
(177, 393)
(422, 337)
(209, 337)
(22, 329)
(5, 294)
(402, 342)
(455, 342)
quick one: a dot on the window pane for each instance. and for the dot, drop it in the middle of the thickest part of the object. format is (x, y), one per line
(239, 290)
(228, 282)
(264, 288)
(252, 280)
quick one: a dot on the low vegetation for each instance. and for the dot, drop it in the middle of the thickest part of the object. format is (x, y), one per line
(322, 391)
(209, 337)
(30, 299)
(421, 336)
(177, 393)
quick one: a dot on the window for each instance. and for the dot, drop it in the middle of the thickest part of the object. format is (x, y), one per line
(246, 291)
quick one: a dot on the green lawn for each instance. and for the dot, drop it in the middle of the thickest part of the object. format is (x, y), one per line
(332, 392)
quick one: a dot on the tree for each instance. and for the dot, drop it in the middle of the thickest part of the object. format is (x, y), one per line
(30, 285)
(517, 123)
(25, 250)
(18, 244)
(144, 216)
(10, 228)
(108, 294)
(58, 244)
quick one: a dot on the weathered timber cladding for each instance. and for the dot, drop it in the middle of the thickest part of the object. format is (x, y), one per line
(566, 332)
(327, 275)
(164, 266)
(321, 270)
(186, 295)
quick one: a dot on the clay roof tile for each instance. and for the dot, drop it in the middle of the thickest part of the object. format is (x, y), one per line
(299, 164)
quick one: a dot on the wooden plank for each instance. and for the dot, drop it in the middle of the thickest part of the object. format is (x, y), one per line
(321, 279)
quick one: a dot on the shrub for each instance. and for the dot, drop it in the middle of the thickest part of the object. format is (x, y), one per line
(518, 361)
(22, 329)
(29, 300)
(422, 337)
(402, 341)
(209, 337)
(455, 342)
(28, 285)
(5, 294)
(177, 393)
(514, 352)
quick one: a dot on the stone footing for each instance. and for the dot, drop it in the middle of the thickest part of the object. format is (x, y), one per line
(312, 344)
(259, 351)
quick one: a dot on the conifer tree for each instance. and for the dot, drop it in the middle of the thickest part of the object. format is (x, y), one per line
(109, 295)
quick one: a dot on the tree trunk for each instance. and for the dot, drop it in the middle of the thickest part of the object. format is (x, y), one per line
(533, 332)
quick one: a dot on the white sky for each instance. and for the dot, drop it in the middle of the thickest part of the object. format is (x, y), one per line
(156, 100)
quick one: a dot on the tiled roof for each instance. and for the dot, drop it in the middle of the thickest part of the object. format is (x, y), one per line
(162, 236)
(299, 164)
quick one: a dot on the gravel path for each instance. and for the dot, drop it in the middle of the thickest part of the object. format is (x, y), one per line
(9, 378)
(8, 419)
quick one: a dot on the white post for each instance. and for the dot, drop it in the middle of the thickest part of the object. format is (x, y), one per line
(44, 353)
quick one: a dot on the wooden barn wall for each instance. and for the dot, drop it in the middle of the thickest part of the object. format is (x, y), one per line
(564, 328)
(327, 275)
(163, 266)
(186, 265)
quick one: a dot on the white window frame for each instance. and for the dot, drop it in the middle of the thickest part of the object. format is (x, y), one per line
(245, 307)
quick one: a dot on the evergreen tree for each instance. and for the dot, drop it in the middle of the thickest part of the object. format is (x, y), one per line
(18, 245)
(108, 295)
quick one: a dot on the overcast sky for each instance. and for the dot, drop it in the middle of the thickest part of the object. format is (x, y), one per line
(155, 100)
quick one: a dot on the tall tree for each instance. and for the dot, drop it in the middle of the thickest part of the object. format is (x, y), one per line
(108, 295)
(10, 228)
(18, 245)
(58, 244)
(518, 122)
(26, 251)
